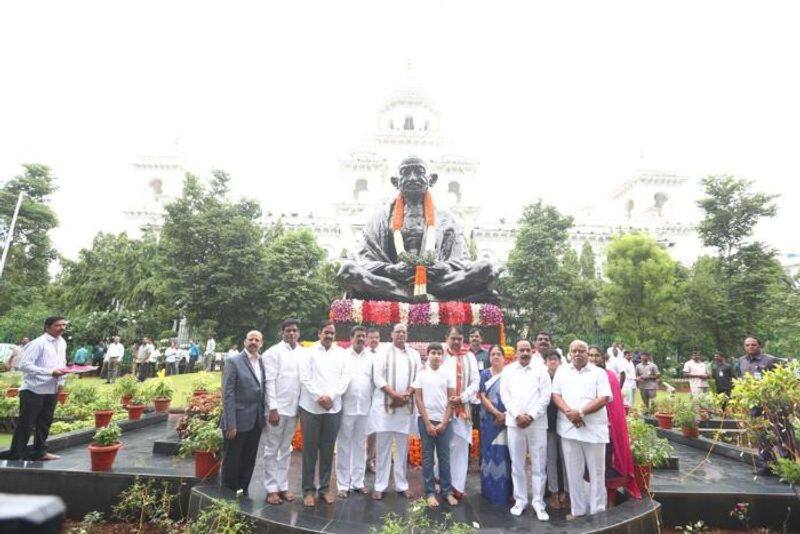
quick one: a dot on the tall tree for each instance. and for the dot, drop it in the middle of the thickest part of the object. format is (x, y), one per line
(26, 272)
(639, 298)
(536, 282)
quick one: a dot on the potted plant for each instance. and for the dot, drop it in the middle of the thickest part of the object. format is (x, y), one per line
(13, 386)
(161, 393)
(204, 440)
(664, 411)
(126, 387)
(104, 447)
(202, 384)
(686, 419)
(103, 411)
(136, 406)
(63, 393)
(648, 451)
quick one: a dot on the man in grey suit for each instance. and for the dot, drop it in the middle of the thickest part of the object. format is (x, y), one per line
(243, 412)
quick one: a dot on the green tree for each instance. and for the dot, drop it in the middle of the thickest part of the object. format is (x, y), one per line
(212, 257)
(581, 294)
(26, 276)
(536, 282)
(639, 298)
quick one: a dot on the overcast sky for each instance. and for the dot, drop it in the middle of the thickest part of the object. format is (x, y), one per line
(557, 100)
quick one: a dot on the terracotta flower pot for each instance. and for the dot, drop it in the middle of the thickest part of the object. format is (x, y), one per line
(162, 404)
(664, 420)
(690, 432)
(206, 464)
(199, 393)
(135, 411)
(62, 396)
(642, 475)
(126, 399)
(102, 418)
(103, 456)
(12, 392)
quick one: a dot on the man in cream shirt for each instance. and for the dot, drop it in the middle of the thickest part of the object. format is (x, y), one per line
(581, 392)
(351, 445)
(282, 368)
(525, 391)
(324, 377)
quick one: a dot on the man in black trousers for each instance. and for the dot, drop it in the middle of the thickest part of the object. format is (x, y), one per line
(243, 412)
(42, 378)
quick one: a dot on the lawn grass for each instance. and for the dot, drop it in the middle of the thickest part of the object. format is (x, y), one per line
(182, 384)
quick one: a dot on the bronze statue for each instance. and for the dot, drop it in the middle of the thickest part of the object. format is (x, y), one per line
(409, 232)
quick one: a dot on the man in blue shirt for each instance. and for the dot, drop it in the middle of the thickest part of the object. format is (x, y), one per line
(194, 354)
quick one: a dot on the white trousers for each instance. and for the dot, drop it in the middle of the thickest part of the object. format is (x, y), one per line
(459, 462)
(553, 450)
(579, 457)
(351, 452)
(278, 453)
(521, 442)
(383, 457)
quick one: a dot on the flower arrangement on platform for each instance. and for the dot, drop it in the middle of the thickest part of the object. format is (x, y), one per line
(414, 451)
(423, 313)
(202, 407)
(297, 440)
(509, 353)
(475, 451)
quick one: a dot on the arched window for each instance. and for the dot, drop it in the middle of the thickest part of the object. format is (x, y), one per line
(660, 199)
(360, 187)
(629, 208)
(409, 124)
(454, 188)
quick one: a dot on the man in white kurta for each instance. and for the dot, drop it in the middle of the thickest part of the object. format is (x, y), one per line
(282, 369)
(392, 412)
(525, 391)
(581, 393)
(463, 367)
(324, 377)
(351, 445)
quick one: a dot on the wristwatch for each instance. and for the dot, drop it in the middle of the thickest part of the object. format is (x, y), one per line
(580, 412)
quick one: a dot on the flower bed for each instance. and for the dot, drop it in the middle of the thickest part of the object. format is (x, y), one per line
(381, 312)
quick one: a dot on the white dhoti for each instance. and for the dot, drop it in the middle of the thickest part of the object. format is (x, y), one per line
(383, 457)
(459, 453)
(521, 442)
(278, 453)
(579, 457)
(351, 452)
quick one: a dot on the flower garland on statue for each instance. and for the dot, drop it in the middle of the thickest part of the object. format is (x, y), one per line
(429, 247)
(416, 313)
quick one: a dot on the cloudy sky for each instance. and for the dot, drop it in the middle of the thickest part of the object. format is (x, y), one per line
(556, 100)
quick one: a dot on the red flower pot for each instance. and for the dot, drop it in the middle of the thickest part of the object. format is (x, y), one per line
(12, 392)
(62, 396)
(642, 475)
(135, 411)
(102, 418)
(691, 432)
(162, 404)
(664, 420)
(199, 393)
(206, 464)
(102, 456)
(126, 399)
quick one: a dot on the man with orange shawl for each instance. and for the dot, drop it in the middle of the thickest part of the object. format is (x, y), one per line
(411, 232)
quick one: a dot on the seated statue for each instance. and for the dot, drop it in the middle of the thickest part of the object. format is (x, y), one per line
(408, 231)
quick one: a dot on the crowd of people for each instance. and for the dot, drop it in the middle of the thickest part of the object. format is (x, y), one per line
(564, 413)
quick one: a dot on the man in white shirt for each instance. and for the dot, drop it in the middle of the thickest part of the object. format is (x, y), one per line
(626, 372)
(171, 358)
(324, 377)
(525, 391)
(697, 373)
(41, 379)
(209, 358)
(392, 412)
(461, 364)
(146, 350)
(114, 354)
(581, 393)
(541, 345)
(282, 367)
(373, 346)
(351, 444)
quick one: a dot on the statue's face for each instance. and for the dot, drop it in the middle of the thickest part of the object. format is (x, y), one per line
(414, 180)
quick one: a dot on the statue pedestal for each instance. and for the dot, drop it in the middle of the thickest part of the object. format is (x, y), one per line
(426, 321)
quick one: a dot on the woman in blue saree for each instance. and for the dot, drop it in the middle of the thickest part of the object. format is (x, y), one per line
(495, 458)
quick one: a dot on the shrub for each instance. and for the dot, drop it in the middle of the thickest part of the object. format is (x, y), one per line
(205, 381)
(107, 435)
(685, 413)
(664, 404)
(104, 403)
(222, 517)
(126, 385)
(417, 520)
(160, 387)
(82, 393)
(148, 502)
(201, 436)
(646, 446)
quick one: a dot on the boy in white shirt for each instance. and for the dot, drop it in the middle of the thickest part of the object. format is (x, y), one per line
(432, 388)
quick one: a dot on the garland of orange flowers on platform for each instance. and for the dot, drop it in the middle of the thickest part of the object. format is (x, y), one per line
(475, 452)
(297, 440)
(414, 451)
(398, 214)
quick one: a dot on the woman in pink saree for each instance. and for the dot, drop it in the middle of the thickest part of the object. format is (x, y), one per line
(619, 463)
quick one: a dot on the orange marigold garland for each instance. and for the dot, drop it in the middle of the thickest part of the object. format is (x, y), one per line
(414, 451)
(297, 440)
(476, 444)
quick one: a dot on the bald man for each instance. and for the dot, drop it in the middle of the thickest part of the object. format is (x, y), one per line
(243, 412)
